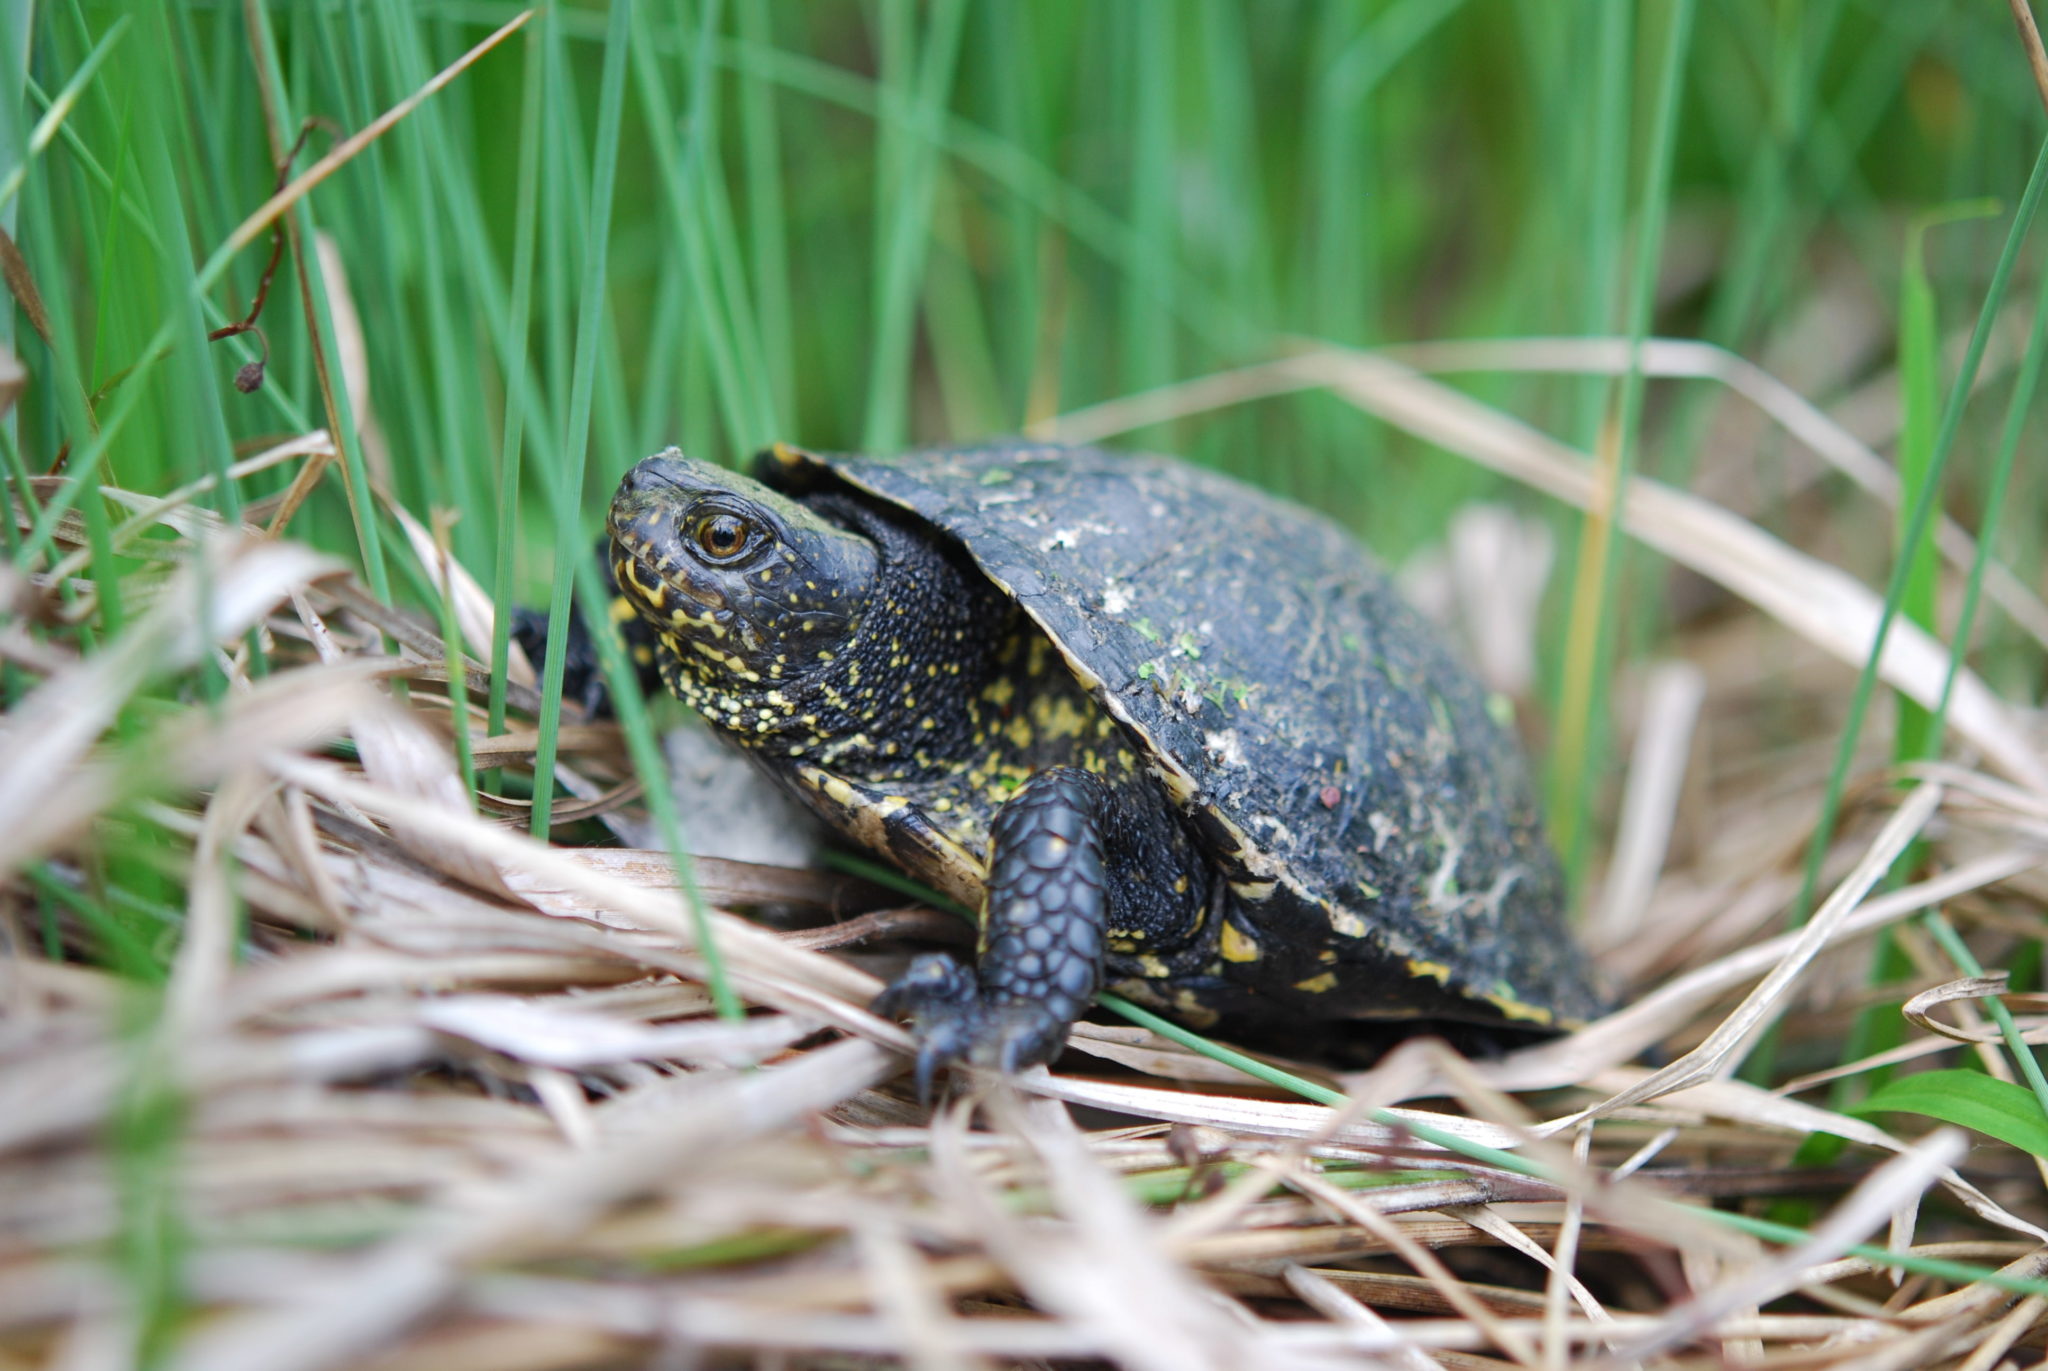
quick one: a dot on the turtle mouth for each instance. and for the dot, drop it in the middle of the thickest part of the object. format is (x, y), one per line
(663, 588)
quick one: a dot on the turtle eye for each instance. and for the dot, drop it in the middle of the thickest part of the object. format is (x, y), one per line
(723, 537)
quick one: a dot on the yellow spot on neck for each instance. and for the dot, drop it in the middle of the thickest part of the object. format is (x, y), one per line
(1236, 946)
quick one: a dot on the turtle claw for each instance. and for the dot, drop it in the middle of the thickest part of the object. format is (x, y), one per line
(1023, 1035)
(952, 1022)
(947, 1018)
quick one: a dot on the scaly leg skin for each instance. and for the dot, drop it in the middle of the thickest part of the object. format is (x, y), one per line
(1041, 932)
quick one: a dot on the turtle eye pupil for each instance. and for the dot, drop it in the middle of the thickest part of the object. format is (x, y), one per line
(722, 536)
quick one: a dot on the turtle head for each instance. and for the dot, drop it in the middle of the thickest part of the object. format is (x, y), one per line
(744, 585)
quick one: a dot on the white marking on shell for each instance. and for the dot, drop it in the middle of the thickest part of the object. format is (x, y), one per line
(1446, 874)
(1223, 747)
(1278, 834)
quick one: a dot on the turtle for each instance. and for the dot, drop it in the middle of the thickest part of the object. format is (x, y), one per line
(1168, 734)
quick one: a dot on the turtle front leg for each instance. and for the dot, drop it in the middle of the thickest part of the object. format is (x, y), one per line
(1042, 920)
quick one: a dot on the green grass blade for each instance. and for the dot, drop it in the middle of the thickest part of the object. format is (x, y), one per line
(1918, 524)
(1581, 736)
(649, 765)
(1151, 251)
(568, 492)
(1997, 490)
(2022, 1051)
(1968, 1099)
(518, 385)
(54, 114)
(1920, 413)
(916, 80)
(766, 217)
(682, 178)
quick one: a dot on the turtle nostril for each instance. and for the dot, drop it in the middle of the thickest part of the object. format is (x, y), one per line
(644, 476)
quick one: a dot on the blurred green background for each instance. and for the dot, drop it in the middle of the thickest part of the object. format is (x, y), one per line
(878, 224)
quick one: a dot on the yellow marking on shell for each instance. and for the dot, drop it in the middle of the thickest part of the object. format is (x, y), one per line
(1238, 845)
(1514, 1009)
(1179, 788)
(1422, 969)
(1318, 985)
(1192, 1011)
(1345, 922)
(643, 654)
(1154, 968)
(1000, 691)
(1255, 891)
(621, 610)
(836, 790)
(1328, 954)
(1237, 947)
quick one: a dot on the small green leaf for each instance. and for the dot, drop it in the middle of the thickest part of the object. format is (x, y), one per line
(1971, 1099)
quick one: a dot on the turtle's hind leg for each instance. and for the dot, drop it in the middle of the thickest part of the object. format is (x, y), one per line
(1042, 936)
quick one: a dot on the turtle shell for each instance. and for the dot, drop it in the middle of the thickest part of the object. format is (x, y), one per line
(1342, 769)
